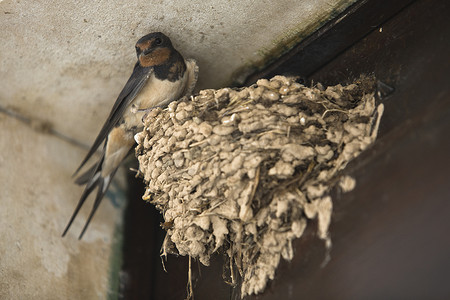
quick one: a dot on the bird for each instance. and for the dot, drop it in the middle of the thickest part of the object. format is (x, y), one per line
(161, 75)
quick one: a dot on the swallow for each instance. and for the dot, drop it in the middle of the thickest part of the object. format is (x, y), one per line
(161, 75)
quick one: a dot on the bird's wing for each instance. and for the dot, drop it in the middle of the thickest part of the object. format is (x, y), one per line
(137, 80)
(192, 69)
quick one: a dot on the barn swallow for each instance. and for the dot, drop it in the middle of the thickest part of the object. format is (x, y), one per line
(161, 75)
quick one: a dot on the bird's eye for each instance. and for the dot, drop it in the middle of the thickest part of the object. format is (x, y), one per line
(158, 41)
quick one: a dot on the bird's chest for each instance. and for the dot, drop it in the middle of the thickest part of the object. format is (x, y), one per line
(158, 92)
(155, 93)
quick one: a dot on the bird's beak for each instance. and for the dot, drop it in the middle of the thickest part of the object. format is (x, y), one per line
(146, 51)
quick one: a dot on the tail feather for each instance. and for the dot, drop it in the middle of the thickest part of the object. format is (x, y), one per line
(93, 179)
(102, 184)
(87, 191)
(87, 176)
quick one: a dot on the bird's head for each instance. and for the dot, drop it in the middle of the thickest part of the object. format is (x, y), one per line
(153, 49)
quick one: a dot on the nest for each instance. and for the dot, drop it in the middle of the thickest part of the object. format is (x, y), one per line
(242, 170)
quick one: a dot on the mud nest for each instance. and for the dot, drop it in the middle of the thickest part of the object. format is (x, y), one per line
(242, 170)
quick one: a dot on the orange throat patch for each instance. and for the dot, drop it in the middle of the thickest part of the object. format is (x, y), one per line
(155, 58)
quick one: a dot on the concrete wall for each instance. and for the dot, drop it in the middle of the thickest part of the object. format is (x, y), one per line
(62, 64)
(37, 198)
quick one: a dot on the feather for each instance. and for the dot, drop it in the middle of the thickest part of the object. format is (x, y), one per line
(137, 80)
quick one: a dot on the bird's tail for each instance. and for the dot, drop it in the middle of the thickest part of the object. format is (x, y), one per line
(92, 178)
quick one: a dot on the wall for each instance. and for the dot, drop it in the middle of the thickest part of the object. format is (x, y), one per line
(62, 65)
